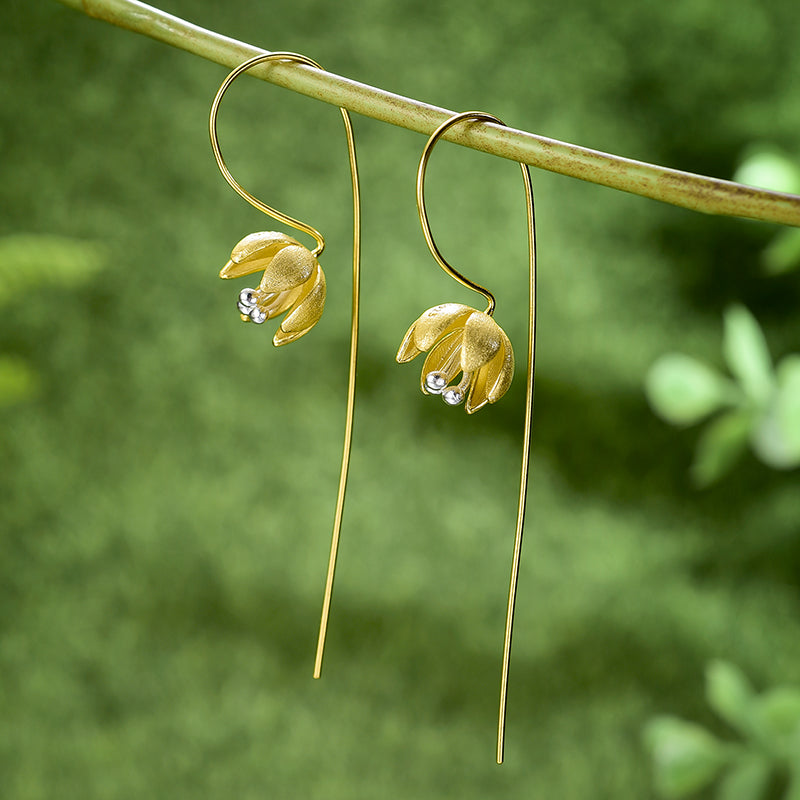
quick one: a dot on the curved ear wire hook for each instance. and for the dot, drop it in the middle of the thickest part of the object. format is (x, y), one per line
(526, 441)
(351, 381)
(423, 213)
(223, 168)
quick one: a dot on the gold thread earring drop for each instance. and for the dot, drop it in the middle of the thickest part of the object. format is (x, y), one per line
(293, 283)
(460, 340)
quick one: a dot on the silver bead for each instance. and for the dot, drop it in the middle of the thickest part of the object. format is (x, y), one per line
(244, 308)
(247, 297)
(257, 315)
(452, 397)
(435, 382)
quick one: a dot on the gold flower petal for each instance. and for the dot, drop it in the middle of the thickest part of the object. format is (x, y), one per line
(254, 252)
(234, 270)
(307, 309)
(493, 379)
(280, 338)
(482, 339)
(437, 321)
(437, 360)
(408, 350)
(482, 380)
(274, 304)
(506, 372)
(477, 397)
(263, 243)
(290, 267)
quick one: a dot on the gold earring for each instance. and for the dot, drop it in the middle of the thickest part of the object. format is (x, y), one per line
(460, 340)
(294, 282)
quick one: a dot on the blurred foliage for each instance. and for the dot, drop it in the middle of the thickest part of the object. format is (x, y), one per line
(765, 764)
(17, 381)
(165, 506)
(761, 406)
(768, 167)
(33, 267)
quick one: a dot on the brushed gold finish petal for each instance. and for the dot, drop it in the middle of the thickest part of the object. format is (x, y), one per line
(437, 321)
(477, 397)
(282, 301)
(506, 372)
(254, 252)
(290, 267)
(308, 307)
(443, 358)
(256, 263)
(281, 337)
(482, 381)
(232, 270)
(482, 339)
(407, 350)
(493, 379)
(262, 243)
(275, 304)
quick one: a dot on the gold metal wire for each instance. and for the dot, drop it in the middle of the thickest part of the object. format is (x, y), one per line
(526, 440)
(351, 396)
(351, 379)
(477, 116)
(223, 168)
(526, 450)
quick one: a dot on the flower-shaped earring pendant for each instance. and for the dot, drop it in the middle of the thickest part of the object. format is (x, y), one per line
(470, 360)
(293, 284)
(460, 340)
(293, 281)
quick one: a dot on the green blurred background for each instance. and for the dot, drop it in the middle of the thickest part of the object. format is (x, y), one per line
(167, 493)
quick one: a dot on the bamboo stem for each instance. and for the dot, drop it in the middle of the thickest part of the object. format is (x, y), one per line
(695, 192)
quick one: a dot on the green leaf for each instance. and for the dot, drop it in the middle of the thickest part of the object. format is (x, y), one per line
(720, 446)
(776, 439)
(683, 390)
(782, 254)
(745, 780)
(768, 168)
(729, 693)
(747, 355)
(17, 381)
(686, 757)
(777, 720)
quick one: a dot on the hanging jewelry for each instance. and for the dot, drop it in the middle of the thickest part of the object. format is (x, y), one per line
(293, 283)
(463, 341)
